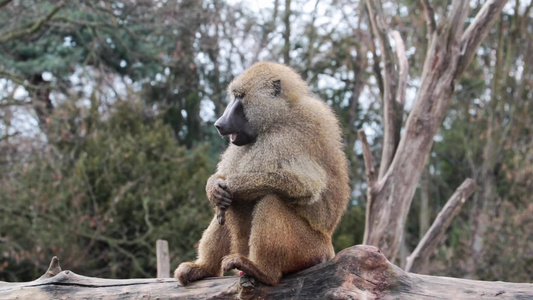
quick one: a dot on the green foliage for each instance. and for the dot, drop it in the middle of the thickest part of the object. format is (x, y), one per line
(102, 204)
(100, 178)
(351, 229)
(83, 34)
(510, 237)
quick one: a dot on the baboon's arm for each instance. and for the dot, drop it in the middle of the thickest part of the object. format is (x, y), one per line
(251, 186)
(303, 182)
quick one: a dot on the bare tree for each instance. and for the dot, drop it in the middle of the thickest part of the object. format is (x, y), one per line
(451, 48)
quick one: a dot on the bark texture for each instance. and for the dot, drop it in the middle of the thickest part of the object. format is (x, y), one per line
(359, 272)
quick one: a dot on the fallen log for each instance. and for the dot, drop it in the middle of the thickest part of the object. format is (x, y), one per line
(359, 272)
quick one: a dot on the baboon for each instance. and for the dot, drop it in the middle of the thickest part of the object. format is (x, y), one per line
(282, 182)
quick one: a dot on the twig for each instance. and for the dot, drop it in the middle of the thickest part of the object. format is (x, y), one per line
(89, 189)
(6, 103)
(18, 80)
(432, 238)
(269, 27)
(17, 33)
(53, 269)
(8, 136)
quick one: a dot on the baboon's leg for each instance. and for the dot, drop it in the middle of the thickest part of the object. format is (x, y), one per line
(214, 245)
(280, 243)
(239, 222)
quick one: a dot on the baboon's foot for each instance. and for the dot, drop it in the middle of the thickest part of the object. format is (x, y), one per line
(188, 272)
(239, 262)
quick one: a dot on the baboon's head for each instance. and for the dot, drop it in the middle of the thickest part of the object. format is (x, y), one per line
(261, 99)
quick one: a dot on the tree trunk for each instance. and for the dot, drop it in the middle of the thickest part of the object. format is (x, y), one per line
(359, 272)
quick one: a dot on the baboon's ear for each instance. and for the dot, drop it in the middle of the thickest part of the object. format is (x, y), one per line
(277, 87)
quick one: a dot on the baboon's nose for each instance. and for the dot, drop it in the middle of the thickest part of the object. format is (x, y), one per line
(220, 124)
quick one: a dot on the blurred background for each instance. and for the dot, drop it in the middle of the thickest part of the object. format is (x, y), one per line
(106, 135)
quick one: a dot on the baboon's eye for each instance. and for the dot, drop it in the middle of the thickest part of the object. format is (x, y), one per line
(276, 84)
(238, 92)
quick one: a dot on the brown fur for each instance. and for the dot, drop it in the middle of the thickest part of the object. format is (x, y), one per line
(289, 188)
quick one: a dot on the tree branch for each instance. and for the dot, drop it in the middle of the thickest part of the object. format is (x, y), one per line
(403, 68)
(368, 158)
(6, 103)
(477, 31)
(418, 259)
(430, 16)
(268, 28)
(53, 269)
(370, 178)
(4, 3)
(456, 20)
(18, 33)
(18, 80)
(391, 130)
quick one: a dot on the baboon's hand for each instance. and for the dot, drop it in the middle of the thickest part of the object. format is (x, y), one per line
(221, 195)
